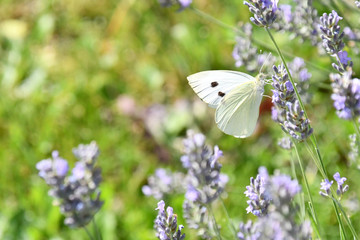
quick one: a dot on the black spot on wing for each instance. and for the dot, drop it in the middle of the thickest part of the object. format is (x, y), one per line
(221, 94)
(214, 84)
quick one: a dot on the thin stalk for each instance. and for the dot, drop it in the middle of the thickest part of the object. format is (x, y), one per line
(339, 220)
(339, 61)
(313, 138)
(217, 21)
(346, 218)
(214, 222)
(300, 197)
(312, 207)
(287, 69)
(98, 235)
(241, 33)
(316, 161)
(88, 233)
(232, 227)
(339, 11)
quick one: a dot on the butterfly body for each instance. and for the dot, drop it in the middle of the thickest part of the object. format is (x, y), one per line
(236, 97)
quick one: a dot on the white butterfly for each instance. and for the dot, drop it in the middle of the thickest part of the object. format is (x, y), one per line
(236, 97)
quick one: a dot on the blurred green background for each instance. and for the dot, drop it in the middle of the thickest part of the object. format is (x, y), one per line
(115, 72)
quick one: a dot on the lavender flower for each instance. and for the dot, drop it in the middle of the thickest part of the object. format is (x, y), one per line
(259, 198)
(286, 110)
(247, 55)
(78, 194)
(332, 39)
(164, 182)
(357, 3)
(205, 182)
(326, 186)
(299, 72)
(282, 190)
(285, 143)
(340, 182)
(248, 231)
(279, 222)
(263, 10)
(346, 95)
(305, 22)
(54, 170)
(197, 217)
(166, 224)
(181, 3)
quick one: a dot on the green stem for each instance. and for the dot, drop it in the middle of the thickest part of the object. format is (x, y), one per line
(217, 21)
(258, 42)
(88, 233)
(300, 200)
(214, 222)
(98, 235)
(232, 227)
(287, 69)
(346, 218)
(339, 219)
(313, 138)
(312, 207)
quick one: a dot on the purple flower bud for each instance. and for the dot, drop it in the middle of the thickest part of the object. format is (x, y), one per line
(44, 166)
(166, 224)
(192, 194)
(344, 59)
(340, 182)
(61, 167)
(289, 86)
(326, 185)
(78, 172)
(185, 3)
(161, 206)
(163, 176)
(286, 9)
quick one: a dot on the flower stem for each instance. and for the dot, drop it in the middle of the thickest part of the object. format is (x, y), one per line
(231, 225)
(319, 160)
(98, 235)
(241, 33)
(216, 228)
(346, 218)
(312, 207)
(88, 233)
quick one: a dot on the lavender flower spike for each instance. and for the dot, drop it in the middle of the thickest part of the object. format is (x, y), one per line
(166, 224)
(346, 95)
(287, 111)
(325, 185)
(204, 179)
(78, 194)
(280, 220)
(263, 10)
(332, 38)
(340, 182)
(259, 198)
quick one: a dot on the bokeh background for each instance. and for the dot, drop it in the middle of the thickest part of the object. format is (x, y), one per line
(115, 72)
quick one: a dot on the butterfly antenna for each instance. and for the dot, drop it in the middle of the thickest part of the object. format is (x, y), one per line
(267, 58)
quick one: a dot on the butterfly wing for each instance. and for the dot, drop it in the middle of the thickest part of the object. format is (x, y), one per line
(212, 86)
(238, 112)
